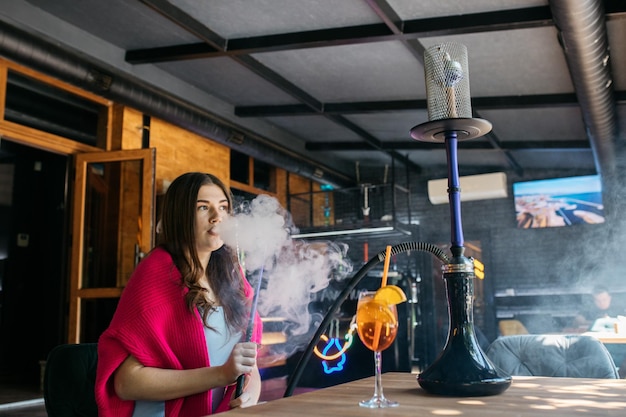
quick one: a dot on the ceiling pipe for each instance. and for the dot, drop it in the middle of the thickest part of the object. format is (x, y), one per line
(583, 36)
(51, 59)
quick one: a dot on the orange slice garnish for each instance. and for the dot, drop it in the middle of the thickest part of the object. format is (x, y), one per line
(390, 294)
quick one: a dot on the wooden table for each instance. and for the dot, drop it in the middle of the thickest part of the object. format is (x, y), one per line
(527, 396)
(608, 337)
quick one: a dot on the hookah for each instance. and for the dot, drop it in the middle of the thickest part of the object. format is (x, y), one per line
(462, 368)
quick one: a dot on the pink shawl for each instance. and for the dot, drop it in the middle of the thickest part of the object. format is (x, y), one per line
(152, 323)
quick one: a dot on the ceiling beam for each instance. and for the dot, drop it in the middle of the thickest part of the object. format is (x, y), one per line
(388, 15)
(373, 142)
(390, 29)
(279, 81)
(534, 145)
(387, 31)
(484, 103)
(187, 22)
(256, 44)
(495, 143)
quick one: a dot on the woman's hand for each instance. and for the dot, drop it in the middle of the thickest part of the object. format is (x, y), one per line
(242, 360)
(251, 391)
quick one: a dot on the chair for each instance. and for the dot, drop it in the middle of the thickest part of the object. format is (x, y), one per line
(69, 380)
(574, 356)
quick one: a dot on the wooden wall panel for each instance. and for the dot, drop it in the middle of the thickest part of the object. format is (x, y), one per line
(180, 151)
(281, 186)
(298, 184)
(130, 127)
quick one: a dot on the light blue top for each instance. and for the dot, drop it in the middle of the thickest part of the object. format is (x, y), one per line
(220, 342)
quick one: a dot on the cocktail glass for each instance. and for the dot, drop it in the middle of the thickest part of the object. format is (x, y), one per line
(377, 326)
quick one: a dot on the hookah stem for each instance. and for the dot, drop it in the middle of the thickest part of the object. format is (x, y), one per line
(255, 299)
(454, 189)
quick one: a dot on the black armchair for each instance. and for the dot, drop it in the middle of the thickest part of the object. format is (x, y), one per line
(574, 356)
(69, 380)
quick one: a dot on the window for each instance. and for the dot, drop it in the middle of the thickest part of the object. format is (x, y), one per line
(251, 175)
(32, 103)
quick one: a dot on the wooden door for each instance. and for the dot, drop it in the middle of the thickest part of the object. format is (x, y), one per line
(113, 215)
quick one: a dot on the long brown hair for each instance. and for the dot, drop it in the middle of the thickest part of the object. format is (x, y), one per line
(178, 236)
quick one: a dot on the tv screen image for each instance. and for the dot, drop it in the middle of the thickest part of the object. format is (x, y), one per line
(558, 202)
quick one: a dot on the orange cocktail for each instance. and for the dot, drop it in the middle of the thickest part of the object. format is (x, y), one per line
(377, 322)
(377, 326)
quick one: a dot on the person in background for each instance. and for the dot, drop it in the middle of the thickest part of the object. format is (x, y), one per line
(601, 307)
(173, 347)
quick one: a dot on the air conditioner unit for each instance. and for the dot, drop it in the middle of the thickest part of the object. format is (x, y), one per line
(473, 187)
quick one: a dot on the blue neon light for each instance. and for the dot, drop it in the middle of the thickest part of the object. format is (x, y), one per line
(338, 366)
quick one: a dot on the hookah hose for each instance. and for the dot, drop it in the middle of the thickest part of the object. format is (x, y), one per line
(241, 379)
(402, 247)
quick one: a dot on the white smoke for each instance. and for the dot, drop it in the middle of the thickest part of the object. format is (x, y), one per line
(258, 231)
(292, 271)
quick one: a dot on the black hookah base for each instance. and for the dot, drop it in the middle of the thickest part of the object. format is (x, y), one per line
(462, 369)
(463, 372)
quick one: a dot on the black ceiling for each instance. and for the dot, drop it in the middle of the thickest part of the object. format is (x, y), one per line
(331, 87)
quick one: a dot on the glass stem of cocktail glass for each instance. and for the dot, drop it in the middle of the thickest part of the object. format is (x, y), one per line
(378, 384)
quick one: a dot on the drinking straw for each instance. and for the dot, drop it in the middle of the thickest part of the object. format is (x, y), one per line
(386, 267)
(376, 340)
(378, 326)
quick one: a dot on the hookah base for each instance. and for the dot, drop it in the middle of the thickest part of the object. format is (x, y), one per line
(463, 370)
(458, 375)
(480, 388)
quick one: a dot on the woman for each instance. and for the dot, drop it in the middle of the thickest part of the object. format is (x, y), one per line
(172, 348)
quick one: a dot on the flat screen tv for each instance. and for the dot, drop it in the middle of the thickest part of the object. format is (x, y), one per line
(558, 202)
